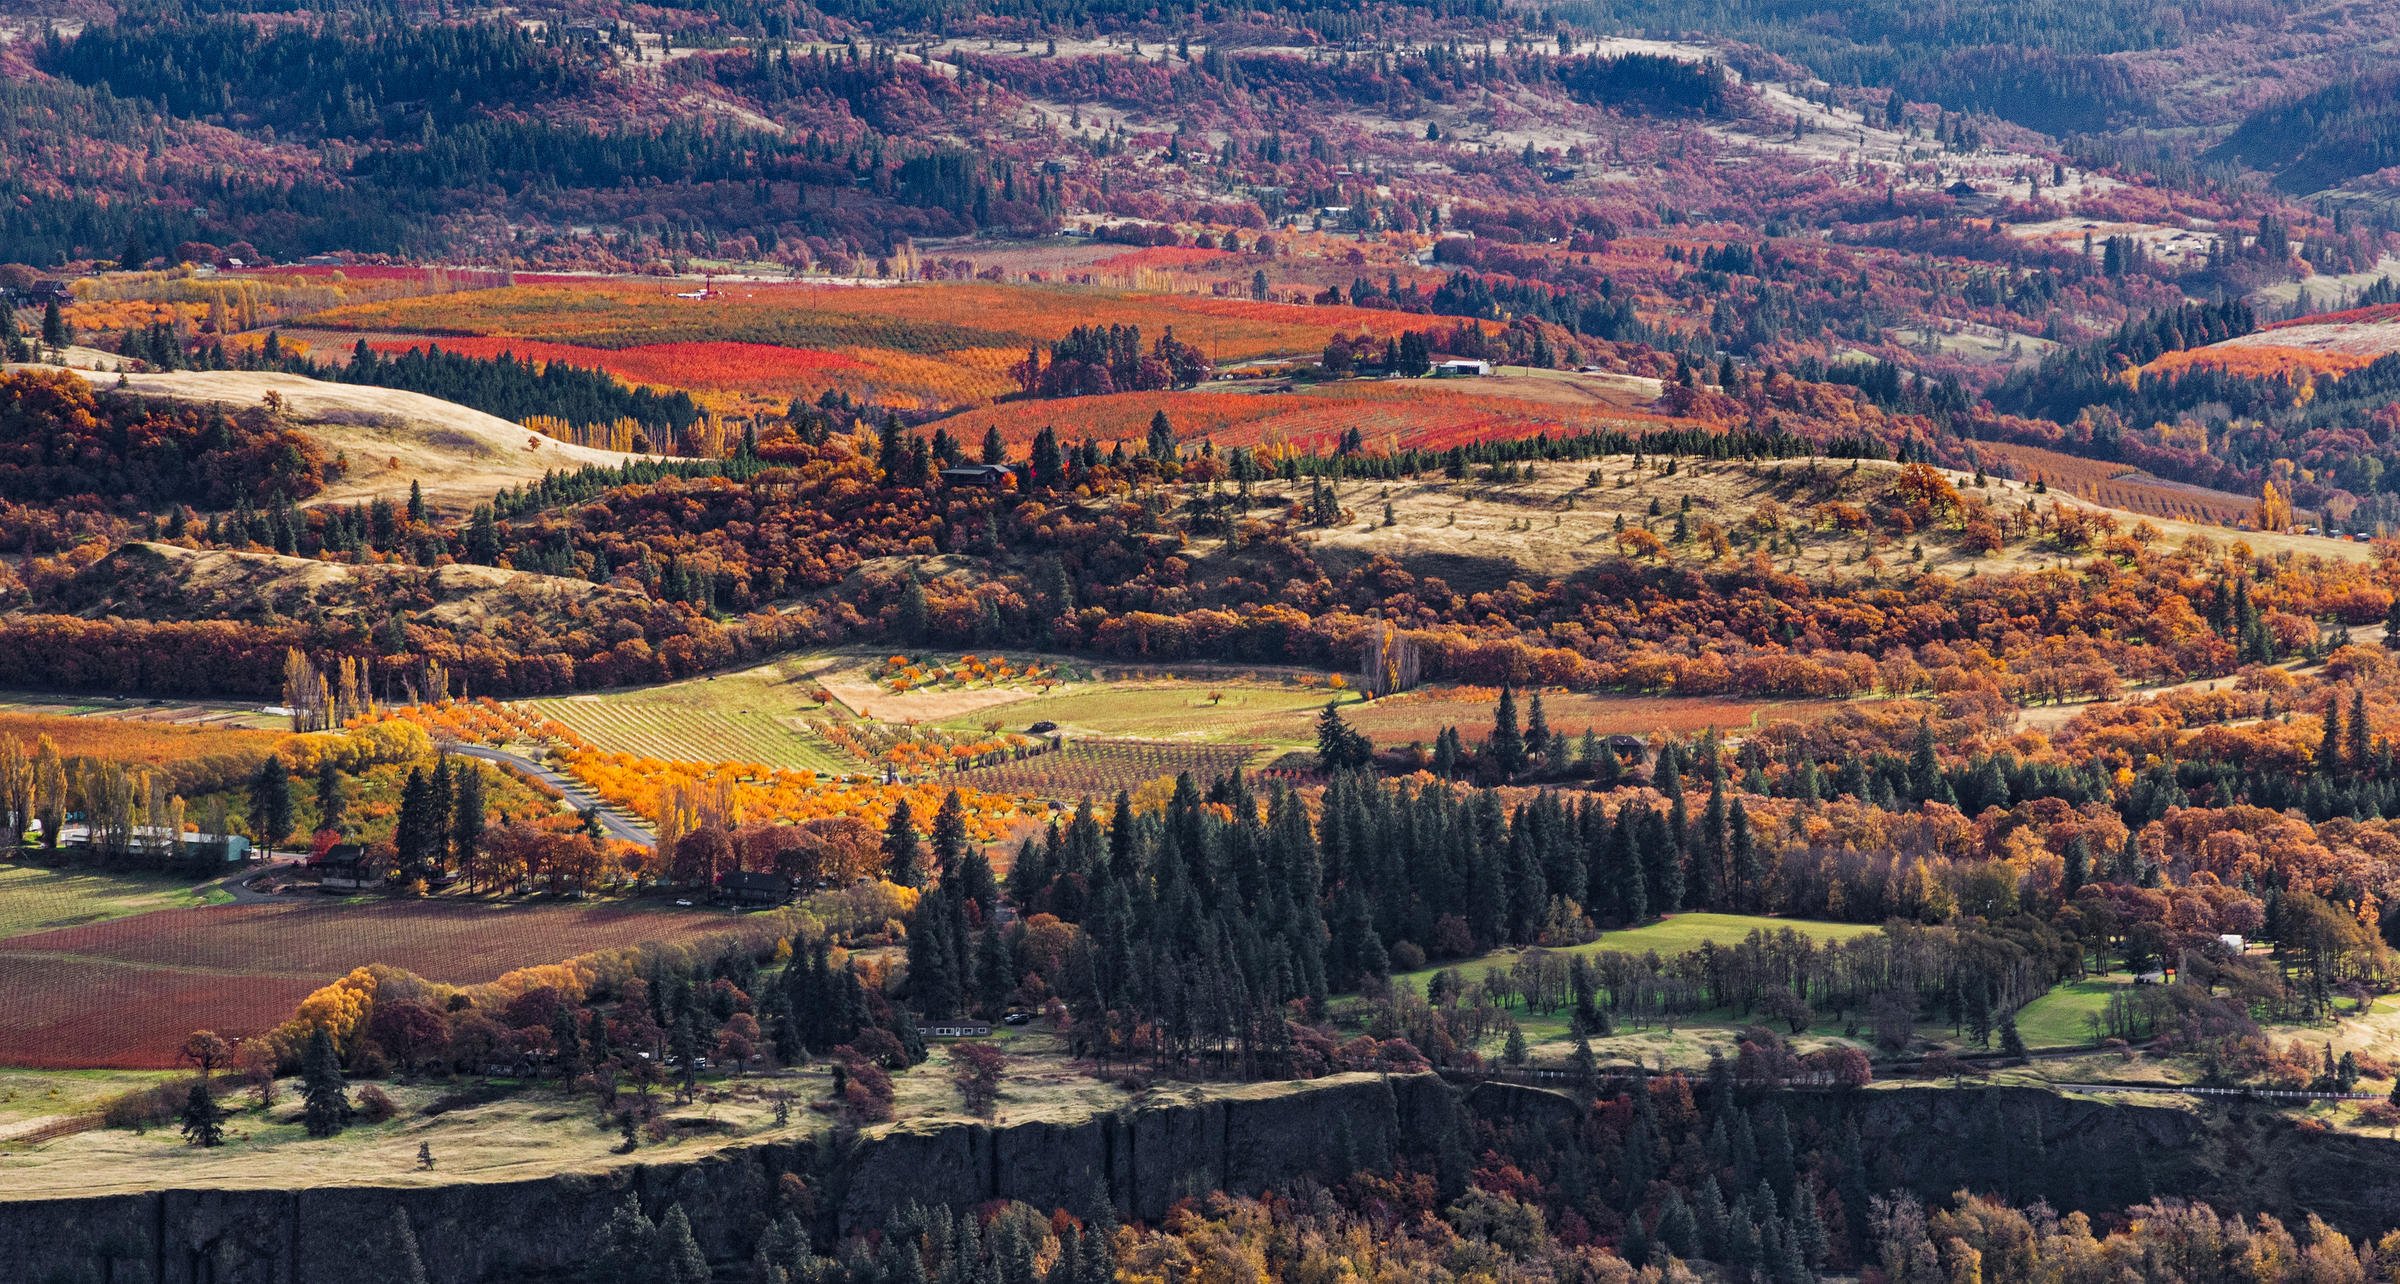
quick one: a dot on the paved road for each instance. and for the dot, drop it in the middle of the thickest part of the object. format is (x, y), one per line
(238, 886)
(583, 799)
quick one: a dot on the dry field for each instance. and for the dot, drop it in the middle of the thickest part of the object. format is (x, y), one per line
(1556, 520)
(460, 456)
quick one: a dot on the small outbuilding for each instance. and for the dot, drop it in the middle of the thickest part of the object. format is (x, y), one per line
(985, 476)
(1463, 368)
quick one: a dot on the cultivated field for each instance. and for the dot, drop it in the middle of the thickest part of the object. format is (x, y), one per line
(125, 991)
(1098, 769)
(1419, 716)
(34, 899)
(925, 346)
(102, 733)
(1390, 414)
(1188, 709)
(752, 716)
(2117, 486)
(180, 713)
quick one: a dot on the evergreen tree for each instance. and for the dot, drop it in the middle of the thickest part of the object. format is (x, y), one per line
(333, 797)
(995, 972)
(911, 618)
(1925, 780)
(438, 798)
(1748, 872)
(2012, 1043)
(467, 817)
(677, 1254)
(1537, 729)
(1582, 1066)
(405, 1266)
(949, 836)
(483, 537)
(900, 846)
(325, 1095)
(270, 803)
(1339, 748)
(1508, 744)
(934, 968)
(203, 1119)
(623, 1255)
(2362, 748)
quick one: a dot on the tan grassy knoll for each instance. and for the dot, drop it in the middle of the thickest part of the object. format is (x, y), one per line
(460, 456)
(1479, 534)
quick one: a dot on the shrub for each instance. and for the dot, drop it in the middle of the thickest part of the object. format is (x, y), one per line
(143, 1108)
(375, 1105)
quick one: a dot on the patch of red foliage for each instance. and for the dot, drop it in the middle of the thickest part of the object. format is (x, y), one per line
(2349, 316)
(735, 366)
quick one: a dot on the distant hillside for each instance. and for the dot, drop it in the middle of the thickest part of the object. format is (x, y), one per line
(2323, 139)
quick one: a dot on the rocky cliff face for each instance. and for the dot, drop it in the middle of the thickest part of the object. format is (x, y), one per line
(1244, 1139)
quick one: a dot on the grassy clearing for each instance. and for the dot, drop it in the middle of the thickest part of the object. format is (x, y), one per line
(2057, 1019)
(751, 716)
(1685, 1041)
(537, 1131)
(33, 899)
(1680, 934)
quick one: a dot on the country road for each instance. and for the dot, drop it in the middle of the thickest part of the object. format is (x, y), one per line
(616, 825)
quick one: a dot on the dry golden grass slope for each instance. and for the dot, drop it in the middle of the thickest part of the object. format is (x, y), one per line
(1557, 520)
(391, 438)
(167, 581)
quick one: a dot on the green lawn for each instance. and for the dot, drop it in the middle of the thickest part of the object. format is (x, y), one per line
(1680, 934)
(34, 899)
(2056, 1020)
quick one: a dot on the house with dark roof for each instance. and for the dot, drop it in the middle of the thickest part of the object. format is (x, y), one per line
(742, 887)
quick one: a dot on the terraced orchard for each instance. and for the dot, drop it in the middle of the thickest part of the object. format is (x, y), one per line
(682, 731)
(1099, 768)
